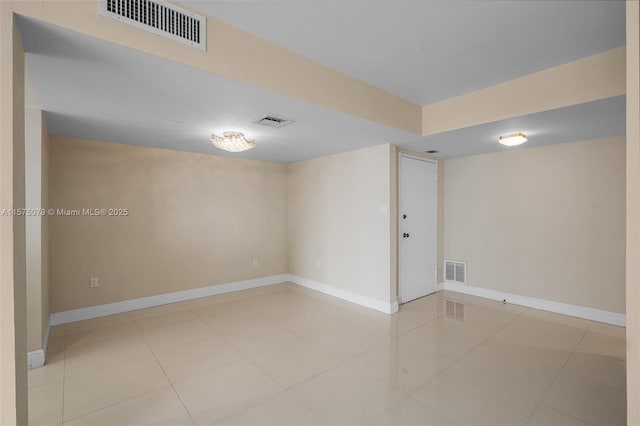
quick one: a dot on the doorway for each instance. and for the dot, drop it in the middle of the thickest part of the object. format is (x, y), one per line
(417, 227)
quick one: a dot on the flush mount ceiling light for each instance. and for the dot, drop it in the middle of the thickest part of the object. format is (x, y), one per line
(232, 142)
(513, 139)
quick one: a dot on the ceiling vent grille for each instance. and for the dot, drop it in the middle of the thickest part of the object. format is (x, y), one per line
(455, 271)
(273, 121)
(159, 17)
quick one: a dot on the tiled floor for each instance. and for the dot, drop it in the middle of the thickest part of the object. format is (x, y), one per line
(284, 355)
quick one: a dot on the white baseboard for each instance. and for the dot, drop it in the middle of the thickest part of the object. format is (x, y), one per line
(378, 305)
(35, 359)
(74, 315)
(592, 314)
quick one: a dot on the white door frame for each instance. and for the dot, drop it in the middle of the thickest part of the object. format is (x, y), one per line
(416, 156)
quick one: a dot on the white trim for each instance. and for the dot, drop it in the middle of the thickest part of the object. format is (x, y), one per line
(74, 315)
(398, 219)
(378, 305)
(38, 358)
(416, 156)
(35, 359)
(47, 335)
(607, 317)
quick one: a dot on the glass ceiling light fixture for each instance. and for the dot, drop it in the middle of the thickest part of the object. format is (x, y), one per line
(232, 142)
(513, 139)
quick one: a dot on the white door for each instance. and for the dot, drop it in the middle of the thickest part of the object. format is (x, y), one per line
(417, 227)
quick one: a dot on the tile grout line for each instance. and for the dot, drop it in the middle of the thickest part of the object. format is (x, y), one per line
(163, 372)
(556, 379)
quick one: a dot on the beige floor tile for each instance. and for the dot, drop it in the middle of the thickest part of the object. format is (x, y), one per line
(56, 345)
(418, 316)
(403, 369)
(410, 412)
(58, 331)
(308, 322)
(232, 319)
(85, 359)
(220, 393)
(544, 342)
(99, 334)
(386, 326)
(231, 357)
(345, 395)
(588, 401)
(52, 371)
(547, 416)
(110, 385)
(445, 348)
(231, 307)
(602, 369)
(89, 324)
(471, 400)
(276, 306)
(509, 371)
(159, 407)
(575, 322)
(281, 409)
(609, 330)
(162, 320)
(464, 330)
(602, 344)
(177, 335)
(159, 310)
(259, 338)
(192, 359)
(294, 362)
(346, 341)
(459, 297)
(45, 404)
(486, 317)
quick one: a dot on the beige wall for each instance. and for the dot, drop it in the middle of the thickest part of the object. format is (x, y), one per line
(13, 342)
(633, 212)
(237, 54)
(339, 217)
(545, 222)
(194, 220)
(588, 79)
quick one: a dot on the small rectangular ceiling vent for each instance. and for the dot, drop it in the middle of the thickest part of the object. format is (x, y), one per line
(455, 271)
(273, 121)
(159, 17)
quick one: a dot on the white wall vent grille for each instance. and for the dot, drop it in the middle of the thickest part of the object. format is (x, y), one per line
(159, 17)
(455, 271)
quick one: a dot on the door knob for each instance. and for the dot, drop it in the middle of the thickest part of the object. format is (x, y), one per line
(405, 235)
(404, 216)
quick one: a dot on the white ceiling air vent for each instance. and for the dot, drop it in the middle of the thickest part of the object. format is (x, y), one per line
(273, 121)
(159, 17)
(455, 271)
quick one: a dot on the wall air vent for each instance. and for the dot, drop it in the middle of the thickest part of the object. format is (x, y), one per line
(273, 121)
(455, 271)
(159, 17)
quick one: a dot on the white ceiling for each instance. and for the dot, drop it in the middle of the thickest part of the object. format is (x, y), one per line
(426, 51)
(591, 120)
(92, 89)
